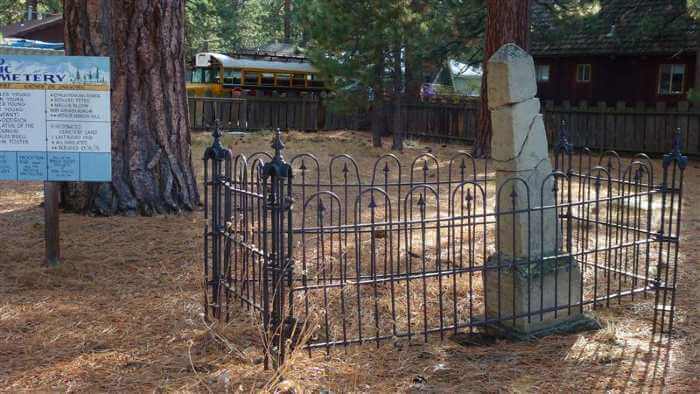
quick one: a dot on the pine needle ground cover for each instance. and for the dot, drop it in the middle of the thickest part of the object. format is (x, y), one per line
(124, 313)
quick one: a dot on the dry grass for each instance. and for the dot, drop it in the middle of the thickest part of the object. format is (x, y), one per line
(123, 313)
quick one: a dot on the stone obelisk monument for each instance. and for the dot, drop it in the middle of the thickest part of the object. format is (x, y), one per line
(525, 277)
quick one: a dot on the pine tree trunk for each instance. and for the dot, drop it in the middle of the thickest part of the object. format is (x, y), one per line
(151, 153)
(377, 115)
(696, 85)
(507, 21)
(287, 21)
(413, 65)
(377, 119)
(398, 134)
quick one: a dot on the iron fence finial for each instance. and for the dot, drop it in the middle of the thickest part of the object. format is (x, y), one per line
(676, 154)
(278, 145)
(277, 165)
(217, 151)
(563, 141)
(677, 141)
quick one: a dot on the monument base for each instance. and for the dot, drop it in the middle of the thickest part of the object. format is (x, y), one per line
(579, 323)
(533, 299)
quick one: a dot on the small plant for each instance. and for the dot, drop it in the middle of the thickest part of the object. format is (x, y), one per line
(694, 95)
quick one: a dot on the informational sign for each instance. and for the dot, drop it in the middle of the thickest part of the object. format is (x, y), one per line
(55, 122)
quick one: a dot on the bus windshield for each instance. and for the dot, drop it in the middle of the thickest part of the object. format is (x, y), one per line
(204, 75)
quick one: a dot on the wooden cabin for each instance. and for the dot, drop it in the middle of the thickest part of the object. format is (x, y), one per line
(641, 51)
(41, 28)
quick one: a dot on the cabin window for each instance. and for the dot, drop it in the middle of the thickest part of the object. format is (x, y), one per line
(583, 73)
(232, 77)
(542, 72)
(671, 78)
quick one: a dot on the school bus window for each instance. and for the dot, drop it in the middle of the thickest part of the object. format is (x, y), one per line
(204, 75)
(283, 80)
(298, 81)
(316, 83)
(251, 78)
(197, 75)
(268, 79)
(232, 77)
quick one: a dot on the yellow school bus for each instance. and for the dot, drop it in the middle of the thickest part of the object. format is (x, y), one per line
(217, 75)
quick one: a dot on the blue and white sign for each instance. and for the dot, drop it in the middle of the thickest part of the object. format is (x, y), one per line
(55, 122)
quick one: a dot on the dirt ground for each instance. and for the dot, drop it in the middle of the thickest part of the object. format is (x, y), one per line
(123, 312)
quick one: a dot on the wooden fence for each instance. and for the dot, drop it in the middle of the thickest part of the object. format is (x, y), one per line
(637, 128)
(440, 120)
(436, 120)
(621, 127)
(255, 113)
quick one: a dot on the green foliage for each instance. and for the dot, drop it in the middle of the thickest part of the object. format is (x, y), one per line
(693, 95)
(212, 25)
(262, 22)
(228, 25)
(694, 9)
(356, 41)
(14, 11)
(631, 21)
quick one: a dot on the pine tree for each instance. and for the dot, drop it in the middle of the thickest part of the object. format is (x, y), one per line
(151, 154)
(507, 22)
(384, 46)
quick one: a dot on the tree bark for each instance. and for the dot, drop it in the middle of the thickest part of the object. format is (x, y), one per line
(377, 119)
(696, 85)
(398, 134)
(507, 21)
(287, 21)
(378, 103)
(414, 66)
(152, 168)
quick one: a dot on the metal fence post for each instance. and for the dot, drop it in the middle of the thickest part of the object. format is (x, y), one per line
(674, 164)
(279, 259)
(215, 157)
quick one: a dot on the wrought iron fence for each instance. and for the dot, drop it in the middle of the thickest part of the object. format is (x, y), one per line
(334, 254)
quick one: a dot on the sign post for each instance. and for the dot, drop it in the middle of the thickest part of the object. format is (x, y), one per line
(55, 126)
(51, 222)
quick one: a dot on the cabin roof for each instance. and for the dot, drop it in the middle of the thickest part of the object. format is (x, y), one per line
(207, 58)
(622, 27)
(21, 29)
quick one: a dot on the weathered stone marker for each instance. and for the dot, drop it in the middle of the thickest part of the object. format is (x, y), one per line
(525, 277)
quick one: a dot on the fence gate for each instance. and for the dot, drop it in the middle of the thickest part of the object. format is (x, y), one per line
(328, 254)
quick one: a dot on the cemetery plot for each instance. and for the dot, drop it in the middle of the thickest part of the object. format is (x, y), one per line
(128, 305)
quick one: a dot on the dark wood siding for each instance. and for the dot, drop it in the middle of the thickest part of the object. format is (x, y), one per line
(631, 79)
(51, 33)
